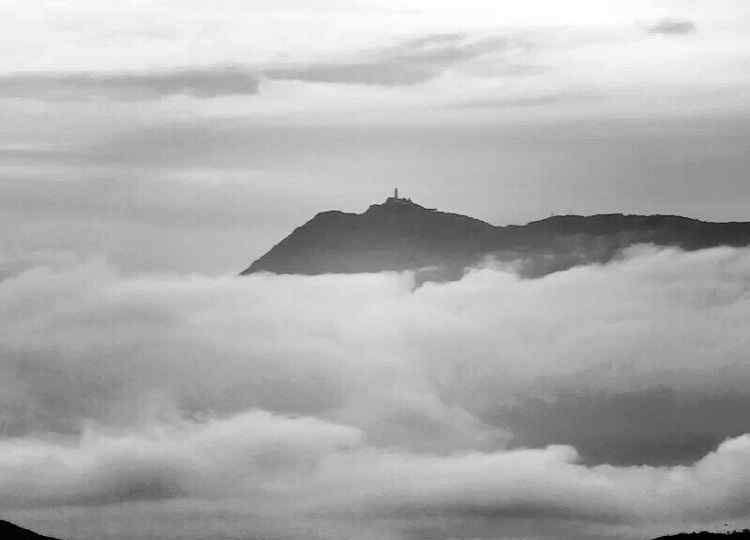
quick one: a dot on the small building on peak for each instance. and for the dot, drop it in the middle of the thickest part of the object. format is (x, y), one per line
(396, 199)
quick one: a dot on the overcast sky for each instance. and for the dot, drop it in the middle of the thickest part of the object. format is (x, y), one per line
(192, 136)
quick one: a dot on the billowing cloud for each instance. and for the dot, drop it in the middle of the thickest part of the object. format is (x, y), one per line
(300, 467)
(135, 346)
(130, 86)
(168, 460)
(493, 399)
(672, 26)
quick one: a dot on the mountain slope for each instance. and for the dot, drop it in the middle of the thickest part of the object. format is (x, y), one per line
(402, 235)
(9, 531)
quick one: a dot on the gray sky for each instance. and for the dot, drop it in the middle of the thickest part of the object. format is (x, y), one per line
(178, 136)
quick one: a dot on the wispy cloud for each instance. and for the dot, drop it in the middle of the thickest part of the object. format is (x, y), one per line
(130, 86)
(672, 26)
(411, 62)
(542, 100)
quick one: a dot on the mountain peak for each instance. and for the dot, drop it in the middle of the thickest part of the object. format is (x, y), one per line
(395, 202)
(398, 205)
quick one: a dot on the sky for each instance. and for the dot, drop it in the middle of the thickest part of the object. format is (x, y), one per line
(149, 151)
(153, 131)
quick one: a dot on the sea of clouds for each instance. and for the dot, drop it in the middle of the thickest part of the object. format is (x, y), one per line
(601, 401)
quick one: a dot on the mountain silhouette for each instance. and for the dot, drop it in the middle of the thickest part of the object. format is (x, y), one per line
(9, 531)
(703, 535)
(402, 235)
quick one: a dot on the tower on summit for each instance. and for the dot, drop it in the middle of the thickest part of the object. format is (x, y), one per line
(396, 199)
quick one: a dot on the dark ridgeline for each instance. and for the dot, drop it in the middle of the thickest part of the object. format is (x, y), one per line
(9, 531)
(402, 235)
(736, 535)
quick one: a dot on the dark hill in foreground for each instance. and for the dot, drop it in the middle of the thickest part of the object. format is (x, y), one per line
(736, 535)
(9, 531)
(402, 235)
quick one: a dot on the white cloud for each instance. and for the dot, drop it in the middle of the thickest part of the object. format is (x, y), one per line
(244, 454)
(358, 395)
(301, 467)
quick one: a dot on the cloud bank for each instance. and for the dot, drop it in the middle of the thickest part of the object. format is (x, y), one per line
(362, 407)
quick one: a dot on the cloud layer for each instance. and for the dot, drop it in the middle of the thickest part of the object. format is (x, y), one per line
(411, 62)
(360, 399)
(414, 61)
(139, 86)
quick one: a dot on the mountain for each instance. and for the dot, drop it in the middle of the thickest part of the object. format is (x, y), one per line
(402, 235)
(9, 531)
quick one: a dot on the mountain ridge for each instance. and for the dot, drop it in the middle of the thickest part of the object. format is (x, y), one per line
(399, 234)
